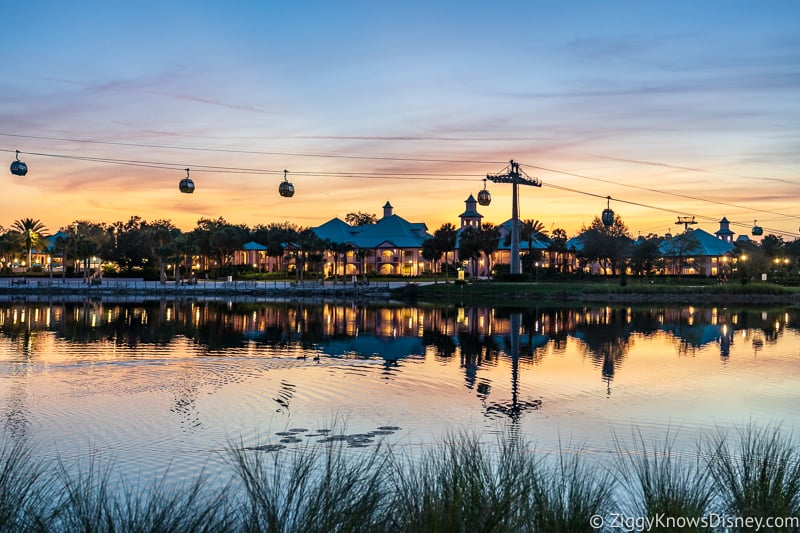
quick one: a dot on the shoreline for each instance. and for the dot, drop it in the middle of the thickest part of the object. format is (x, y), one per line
(201, 289)
(482, 293)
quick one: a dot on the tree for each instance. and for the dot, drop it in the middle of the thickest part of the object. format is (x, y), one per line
(339, 249)
(558, 246)
(361, 255)
(131, 248)
(308, 243)
(360, 218)
(772, 246)
(489, 240)
(219, 239)
(531, 230)
(162, 235)
(681, 248)
(275, 237)
(431, 252)
(87, 239)
(446, 241)
(469, 246)
(32, 231)
(645, 254)
(608, 245)
(9, 245)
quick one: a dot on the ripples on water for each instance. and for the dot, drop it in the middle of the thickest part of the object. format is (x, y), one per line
(160, 385)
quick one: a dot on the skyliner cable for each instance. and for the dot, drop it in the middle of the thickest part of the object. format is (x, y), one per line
(375, 175)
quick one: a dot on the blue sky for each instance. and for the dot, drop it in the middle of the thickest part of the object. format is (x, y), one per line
(687, 108)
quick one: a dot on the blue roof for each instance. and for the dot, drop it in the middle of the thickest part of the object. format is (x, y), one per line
(539, 242)
(389, 348)
(392, 230)
(336, 230)
(707, 245)
(253, 245)
(51, 240)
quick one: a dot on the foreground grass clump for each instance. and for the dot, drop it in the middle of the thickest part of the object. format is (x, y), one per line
(760, 477)
(312, 490)
(462, 484)
(656, 480)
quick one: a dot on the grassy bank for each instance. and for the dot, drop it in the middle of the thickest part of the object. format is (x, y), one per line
(495, 293)
(460, 485)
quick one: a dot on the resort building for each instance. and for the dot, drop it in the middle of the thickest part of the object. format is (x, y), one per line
(392, 245)
(698, 252)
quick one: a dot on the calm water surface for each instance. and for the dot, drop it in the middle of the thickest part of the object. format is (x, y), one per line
(171, 384)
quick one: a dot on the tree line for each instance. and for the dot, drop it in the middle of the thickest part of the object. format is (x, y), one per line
(141, 247)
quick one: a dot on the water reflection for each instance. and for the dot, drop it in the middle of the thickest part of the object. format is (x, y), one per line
(477, 336)
(388, 331)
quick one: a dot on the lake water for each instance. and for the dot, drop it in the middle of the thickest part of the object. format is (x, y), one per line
(155, 385)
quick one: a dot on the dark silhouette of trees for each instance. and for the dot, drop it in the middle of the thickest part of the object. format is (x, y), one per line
(219, 239)
(432, 253)
(360, 218)
(489, 240)
(645, 255)
(607, 245)
(446, 241)
(558, 247)
(469, 246)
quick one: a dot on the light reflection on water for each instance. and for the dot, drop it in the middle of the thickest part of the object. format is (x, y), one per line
(174, 383)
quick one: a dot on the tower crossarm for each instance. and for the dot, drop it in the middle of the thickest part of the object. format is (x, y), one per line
(509, 178)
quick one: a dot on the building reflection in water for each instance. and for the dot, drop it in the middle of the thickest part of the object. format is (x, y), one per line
(478, 336)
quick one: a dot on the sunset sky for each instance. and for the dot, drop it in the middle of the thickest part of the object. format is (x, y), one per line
(671, 108)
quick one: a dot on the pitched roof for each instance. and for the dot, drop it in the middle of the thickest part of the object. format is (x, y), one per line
(539, 242)
(336, 230)
(253, 245)
(706, 245)
(394, 230)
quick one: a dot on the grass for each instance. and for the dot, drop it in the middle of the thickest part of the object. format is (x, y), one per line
(462, 484)
(535, 293)
(761, 476)
(659, 481)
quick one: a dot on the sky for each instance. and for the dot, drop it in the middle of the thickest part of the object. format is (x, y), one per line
(678, 108)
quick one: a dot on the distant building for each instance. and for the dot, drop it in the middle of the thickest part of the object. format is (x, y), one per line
(724, 232)
(697, 252)
(392, 245)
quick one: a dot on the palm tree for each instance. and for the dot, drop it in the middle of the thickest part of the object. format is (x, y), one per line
(32, 231)
(431, 252)
(489, 239)
(446, 237)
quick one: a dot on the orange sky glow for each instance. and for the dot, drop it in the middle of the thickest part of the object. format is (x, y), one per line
(686, 111)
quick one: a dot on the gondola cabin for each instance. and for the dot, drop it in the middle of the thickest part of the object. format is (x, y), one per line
(186, 185)
(286, 189)
(608, 215)
(484, 197)
(757, 230)
(19, 168)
